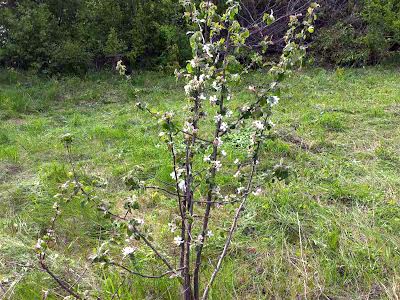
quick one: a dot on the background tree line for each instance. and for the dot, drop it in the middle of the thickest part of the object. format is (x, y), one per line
(73, 36)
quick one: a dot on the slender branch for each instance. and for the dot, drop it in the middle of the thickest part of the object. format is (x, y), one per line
(217, 202)
(143, 275)
(150, 245)
(236, 218)
(161, 189)
(182, 209)
(145, 240)
(157, 116)
(196, 274)
(196, 136)
(62, 284)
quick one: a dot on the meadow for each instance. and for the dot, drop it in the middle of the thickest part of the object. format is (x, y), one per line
(330, 232)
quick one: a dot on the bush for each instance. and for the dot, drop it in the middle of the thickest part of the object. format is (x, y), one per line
(70, 36)
(383, 31)
(75, 35)
(366, 34)
(28, 38)
(70, 57)
(340, 45)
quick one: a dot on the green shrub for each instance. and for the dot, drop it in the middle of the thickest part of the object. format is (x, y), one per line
(29, 35)
(369, 33)
(70, 57)
(339, 45)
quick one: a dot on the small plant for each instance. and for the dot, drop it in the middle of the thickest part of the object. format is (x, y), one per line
(199, 156)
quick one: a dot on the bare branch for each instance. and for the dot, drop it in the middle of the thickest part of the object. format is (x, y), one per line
(61, 283)
(236, 218)
(144, 275)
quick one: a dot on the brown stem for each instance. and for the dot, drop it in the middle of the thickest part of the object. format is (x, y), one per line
(181, 206)
(62, 284)
(143, 275)
(150, 245)
(236, 217)
(196, 273)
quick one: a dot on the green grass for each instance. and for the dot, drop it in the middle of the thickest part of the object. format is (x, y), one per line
(332, 232)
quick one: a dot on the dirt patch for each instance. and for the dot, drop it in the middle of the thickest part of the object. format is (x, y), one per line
(393, 109)
(16, 121)
(292, 138)
(8, 170)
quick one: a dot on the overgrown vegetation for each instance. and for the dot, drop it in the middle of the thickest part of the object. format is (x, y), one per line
(357, 33)
(72, 36)
(338, 132)
(51, 36)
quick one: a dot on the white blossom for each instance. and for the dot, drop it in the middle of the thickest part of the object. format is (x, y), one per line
(216, 86)
(258, 125)
(235, 77)
(167, 116)
(207, 158)
(217, 118)
(224, 127)
(199, 239)
(218, 141)
(178, 173)
(271, 124)
(181, 185)
(195, 62)
(139, 221)
(194, 85)
(128, 251)
(237, 174)
(223, 153)
(207, 49)
(121, 68)
(217, 165)
(178, 240)
(257, 192)
(217, 191)
(209, 233)
(229, 113)
(273, 100)
(172, 227)
(240, 190)
(65, 185)
(189, 128)
(245, 108)
(213, 99)
(237, 161)
(187, 89)
(39, 243)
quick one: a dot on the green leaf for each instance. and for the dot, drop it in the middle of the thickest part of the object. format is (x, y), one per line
(269, 18)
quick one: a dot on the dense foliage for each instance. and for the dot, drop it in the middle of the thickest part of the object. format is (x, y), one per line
(359, 32)
(73, 36)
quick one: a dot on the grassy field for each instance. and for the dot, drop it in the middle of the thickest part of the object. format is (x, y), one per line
(332, 232)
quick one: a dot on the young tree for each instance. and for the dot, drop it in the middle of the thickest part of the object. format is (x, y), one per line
(198, 154)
